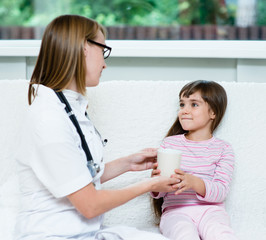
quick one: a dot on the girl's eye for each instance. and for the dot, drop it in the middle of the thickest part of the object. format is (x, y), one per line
(195, 105)
(181, 105)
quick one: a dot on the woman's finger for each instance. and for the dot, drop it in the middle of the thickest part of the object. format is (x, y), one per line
(155, 172)
(155, 165)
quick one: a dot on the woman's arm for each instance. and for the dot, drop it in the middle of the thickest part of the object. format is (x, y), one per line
(115, 168)
(142, 160)
(91, 202)
(155, 173)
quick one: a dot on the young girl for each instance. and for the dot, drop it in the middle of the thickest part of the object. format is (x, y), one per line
(196, 210)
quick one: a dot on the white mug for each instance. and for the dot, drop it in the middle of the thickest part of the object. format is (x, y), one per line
(168, 160)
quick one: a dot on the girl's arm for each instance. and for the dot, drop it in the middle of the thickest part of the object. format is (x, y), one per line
(142, 160)
(215, 189)
(91, 202)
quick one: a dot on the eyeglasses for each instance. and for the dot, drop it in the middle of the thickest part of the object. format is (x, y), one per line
(106, 51)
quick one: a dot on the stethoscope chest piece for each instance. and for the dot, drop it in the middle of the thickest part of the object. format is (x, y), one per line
(94, 168)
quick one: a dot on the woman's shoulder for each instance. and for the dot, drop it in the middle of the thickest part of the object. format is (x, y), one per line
(46, 110)
(45, 105)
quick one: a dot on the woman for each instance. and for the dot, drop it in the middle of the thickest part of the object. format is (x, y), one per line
(60, 185)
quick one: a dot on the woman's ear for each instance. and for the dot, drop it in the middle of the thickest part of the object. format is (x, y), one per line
(85, 48)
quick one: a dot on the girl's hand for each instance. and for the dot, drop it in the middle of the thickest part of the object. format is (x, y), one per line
(186, 181)
(143, 160)
(189, 181)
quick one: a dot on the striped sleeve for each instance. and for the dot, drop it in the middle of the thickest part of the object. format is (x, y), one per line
(157, 195)
(218, 187)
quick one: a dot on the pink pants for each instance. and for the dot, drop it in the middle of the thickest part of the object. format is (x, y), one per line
(205, 222)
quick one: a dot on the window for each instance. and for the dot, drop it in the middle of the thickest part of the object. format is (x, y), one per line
(142, 19)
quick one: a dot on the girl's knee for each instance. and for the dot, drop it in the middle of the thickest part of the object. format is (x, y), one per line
(218, 232)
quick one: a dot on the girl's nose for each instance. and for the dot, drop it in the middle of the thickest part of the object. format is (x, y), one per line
(185, 110)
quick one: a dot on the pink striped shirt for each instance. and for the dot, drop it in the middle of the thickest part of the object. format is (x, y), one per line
(211, 160)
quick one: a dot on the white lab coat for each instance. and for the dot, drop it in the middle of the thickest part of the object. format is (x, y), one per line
(52, 165)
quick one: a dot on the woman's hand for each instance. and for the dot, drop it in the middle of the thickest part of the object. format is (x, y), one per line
(163, 184)
(143, 160)
(155, 172)
(189, 181)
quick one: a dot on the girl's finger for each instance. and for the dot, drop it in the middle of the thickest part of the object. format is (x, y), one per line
(179, 171)
(178, 176)
(180, 189)
(181, 177)
(181, 185)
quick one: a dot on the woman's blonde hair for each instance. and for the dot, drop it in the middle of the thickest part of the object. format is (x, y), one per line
(61, 58)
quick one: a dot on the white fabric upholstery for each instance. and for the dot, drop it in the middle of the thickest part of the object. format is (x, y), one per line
(136, 114)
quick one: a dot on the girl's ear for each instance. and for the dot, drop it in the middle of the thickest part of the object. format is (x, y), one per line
(212, 115)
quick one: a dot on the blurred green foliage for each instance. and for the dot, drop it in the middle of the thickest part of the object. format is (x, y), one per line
(15, 12)
(261, 13)
(124, 12)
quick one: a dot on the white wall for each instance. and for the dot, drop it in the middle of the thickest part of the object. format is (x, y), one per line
(239, 61)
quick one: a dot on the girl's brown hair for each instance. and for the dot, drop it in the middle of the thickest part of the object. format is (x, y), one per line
(213, 94)
(61, 58)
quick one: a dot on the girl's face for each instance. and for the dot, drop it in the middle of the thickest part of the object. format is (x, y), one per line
(195, 115)
(94, 61)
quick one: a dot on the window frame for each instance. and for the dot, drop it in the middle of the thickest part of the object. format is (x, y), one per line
(161, 48)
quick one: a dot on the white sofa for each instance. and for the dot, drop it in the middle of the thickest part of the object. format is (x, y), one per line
(137, 114)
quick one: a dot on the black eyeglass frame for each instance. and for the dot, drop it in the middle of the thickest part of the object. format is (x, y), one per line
(106, 48)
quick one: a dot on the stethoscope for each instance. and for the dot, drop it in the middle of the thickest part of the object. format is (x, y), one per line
(93, 167)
